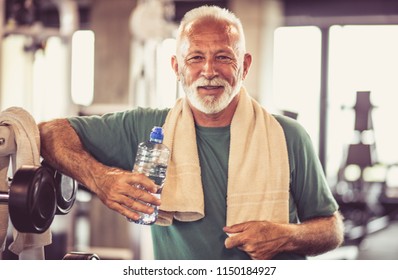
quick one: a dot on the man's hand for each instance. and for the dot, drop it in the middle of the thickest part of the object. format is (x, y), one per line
(260, 240)
(263, 239)
(118, 190)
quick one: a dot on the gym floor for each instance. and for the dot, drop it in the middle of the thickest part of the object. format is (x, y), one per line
(381, 245)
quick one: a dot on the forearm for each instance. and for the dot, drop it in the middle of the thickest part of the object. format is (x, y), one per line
(62, 149)
(316, 236)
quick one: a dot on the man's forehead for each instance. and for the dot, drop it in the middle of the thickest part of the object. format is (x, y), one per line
(210, 25)
(208, 31)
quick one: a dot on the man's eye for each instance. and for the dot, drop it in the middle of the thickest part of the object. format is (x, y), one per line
(195, 58)
(224, 58)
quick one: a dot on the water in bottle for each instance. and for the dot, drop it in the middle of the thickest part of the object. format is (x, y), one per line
(152, 160)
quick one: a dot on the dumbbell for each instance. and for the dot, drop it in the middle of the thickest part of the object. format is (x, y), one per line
(65, 190)
(81, 256)
(35, 195)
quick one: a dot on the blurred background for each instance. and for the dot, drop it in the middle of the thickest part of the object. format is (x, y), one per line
(332, 65)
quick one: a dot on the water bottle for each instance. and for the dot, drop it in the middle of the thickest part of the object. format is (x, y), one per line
(152, 159)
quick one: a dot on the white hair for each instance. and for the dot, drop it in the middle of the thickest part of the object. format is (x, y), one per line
(216, 13)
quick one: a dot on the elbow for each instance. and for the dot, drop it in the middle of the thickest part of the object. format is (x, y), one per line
(45, 129)
(51, 133)
(338, 239)
(45, 136)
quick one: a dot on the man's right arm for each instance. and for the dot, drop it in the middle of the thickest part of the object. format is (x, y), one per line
(62, 148)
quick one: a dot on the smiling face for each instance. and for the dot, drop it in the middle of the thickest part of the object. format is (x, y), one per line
(210, 64)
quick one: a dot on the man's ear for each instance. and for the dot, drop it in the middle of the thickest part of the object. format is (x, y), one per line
(247, 61)
(174, 65)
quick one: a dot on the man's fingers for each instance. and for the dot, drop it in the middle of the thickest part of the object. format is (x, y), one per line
(128, 213)
(234, 240)
(143, 181)
(137, 193)
(128, 193)
(230, 230)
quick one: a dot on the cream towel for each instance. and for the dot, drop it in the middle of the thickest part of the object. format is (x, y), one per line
(27, 140)
(6, 149)
(258, 172)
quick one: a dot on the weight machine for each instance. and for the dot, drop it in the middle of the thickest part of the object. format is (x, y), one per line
(359, 191)
(34, 192)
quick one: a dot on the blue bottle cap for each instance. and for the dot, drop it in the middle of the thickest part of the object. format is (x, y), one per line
(156, 134)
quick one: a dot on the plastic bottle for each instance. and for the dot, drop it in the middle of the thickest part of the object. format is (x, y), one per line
(152, 160)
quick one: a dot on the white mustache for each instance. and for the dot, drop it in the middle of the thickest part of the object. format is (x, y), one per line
(203, 82)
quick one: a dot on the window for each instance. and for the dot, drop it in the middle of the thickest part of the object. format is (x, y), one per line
(360, 58)
(83, 67)
(39, 80)
(297, 68)
(363, 58)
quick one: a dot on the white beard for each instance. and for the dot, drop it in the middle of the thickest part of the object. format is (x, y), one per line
(210, 104)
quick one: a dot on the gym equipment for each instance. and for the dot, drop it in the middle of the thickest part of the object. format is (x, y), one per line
(290, 114)
(354, 192)
(65, 190)
(31, 199)
(81, 256)
(389, 196)
(351, 192)
(36, 194)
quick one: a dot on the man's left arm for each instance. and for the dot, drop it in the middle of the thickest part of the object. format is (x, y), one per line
(263, 239)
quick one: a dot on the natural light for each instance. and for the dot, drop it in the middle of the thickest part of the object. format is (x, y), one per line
(297, 67)
(83, 67)
(361, 58)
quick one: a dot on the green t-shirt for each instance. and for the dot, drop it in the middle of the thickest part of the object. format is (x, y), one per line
(113, 140)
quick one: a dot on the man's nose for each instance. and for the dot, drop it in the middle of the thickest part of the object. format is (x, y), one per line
(209, 70)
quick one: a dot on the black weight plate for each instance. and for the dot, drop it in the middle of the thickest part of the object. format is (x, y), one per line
(65, 189)
(32, 200)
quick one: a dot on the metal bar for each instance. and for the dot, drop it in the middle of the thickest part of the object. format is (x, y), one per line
(323, 106)
(4, 197)
(2, 19)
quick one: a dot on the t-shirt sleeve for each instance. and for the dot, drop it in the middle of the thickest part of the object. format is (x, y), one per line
(113, 138)
(308, 185)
